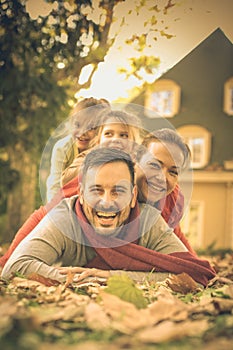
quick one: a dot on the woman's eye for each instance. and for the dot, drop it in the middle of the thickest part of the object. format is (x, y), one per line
(174, 173)
(155, 165)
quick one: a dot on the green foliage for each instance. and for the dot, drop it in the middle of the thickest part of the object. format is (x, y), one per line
(125, 288)
(9, 177)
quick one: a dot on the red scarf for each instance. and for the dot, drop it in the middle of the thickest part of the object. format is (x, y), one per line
(119, 254)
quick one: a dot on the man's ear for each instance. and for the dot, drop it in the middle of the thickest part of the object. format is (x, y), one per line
(134, 197)
(81, 194)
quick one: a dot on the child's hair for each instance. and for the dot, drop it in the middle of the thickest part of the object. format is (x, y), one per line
(131, 121)
(85, 114)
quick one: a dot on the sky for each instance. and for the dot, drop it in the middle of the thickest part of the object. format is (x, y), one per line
(190, 21)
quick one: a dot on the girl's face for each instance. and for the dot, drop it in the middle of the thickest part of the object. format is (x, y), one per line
(83, 141)
(158, 171)
(83, 136)
(116, 135)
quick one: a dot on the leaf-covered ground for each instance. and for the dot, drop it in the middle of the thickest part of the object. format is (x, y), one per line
(99, 315)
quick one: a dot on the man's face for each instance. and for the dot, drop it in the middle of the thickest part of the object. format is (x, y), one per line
(107, 196)
(158, 170)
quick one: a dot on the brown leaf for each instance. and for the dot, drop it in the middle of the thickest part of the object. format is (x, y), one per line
(223, 305)
(167, 331)
(125, 316)
(166, 309)
(95, 317)
(229, 291)
(44, 280)
(182, 283)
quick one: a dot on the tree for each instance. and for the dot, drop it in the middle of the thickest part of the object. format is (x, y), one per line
(41, 61)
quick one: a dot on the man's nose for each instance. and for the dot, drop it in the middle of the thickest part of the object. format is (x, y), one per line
(106, 200)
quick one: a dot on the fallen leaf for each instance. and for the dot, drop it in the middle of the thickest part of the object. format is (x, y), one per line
(125, 288)
(44, 280)
(95, 317)
(223, 305)
(167, 331)
(125, 316)
(182, 283)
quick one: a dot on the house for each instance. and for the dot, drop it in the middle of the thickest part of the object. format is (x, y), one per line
(196, 98)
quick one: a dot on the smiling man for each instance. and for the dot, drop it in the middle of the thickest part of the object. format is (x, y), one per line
(105, 229)
(108, 196)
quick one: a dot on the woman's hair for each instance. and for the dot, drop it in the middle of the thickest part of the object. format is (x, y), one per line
(165, 136)
(131, 121)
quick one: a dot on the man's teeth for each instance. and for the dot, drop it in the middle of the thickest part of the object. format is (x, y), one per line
(106, 214)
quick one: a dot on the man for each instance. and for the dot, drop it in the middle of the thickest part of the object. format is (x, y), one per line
(104, 229)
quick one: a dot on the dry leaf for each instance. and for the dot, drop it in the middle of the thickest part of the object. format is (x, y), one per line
(44, 280)
(229, 291)
(167, 331)
(223, 305)
(182, 283)
(165, 309)
(96, 317)
(126, 317)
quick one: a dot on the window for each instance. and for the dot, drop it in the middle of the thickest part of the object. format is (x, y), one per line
(162, 99)
(228, 97)
(199, 142)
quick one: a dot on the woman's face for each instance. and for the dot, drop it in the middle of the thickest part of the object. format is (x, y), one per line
(158, 170)
(115, 134)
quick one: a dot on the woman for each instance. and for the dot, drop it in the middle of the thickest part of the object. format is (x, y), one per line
(160, 160)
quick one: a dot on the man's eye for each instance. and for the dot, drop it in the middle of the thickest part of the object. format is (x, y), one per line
(95, 190)
(118, 191)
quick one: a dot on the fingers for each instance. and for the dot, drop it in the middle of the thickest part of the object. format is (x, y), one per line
(83, 272)
(66, 270)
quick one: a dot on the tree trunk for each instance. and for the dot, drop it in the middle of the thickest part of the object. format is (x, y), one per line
(21, 199)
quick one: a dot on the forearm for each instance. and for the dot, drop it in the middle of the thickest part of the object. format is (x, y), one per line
(26, 266)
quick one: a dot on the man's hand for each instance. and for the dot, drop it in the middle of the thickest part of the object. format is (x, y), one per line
(80, 273)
